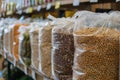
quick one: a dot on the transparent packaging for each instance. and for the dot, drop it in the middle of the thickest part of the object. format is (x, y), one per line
(62, 49)
(34, 33)
(15, 43)
(1, 40)
(6, 40)
(45, 47)
(24, 46)
(96, 43)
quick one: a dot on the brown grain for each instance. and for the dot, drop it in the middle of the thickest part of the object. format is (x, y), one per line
(96, 56)
(63, 53)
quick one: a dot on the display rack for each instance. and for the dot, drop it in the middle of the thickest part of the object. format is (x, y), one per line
(64, 2)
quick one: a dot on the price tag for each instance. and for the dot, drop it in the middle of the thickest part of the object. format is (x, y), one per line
(29, 10)
(19, 12)
(57, 5)
(49, 5)
(39, 8)
(93, 1)
(9, 13)
(76, 2)
(117, 0)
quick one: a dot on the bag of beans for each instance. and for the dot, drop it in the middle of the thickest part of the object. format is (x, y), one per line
(1, 40)
(45, 47)
(34, 32)
(62, 49)
(2, 27)
(96, 49)
(24, 46)
(15, 39)
(6, 41)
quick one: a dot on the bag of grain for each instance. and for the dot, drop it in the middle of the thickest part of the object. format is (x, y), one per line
(96, 49)
(62, 49)
(1, 38)
(45, 47)
(24, 46)
(6, 41)
(15, 40)
(34, 33)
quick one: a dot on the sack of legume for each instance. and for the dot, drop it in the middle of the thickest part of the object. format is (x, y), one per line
(1, 38)
(34, 33)
(62, 49)
(6, 41)
(96, 49)
(24, 46)
(16, 34)
(45, 47)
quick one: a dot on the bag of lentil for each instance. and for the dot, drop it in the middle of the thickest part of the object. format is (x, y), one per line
(62, 49)
(45, 47)
(6, 41)
(15, 40)
(1, 38)
(34, 32)
(96, 49)
(24, 46)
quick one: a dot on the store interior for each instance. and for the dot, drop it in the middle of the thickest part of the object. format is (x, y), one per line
(59, 39)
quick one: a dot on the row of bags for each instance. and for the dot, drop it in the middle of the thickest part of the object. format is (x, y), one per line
(84, 47)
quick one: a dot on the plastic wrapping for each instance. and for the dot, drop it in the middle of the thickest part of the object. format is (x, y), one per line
(24, 46)
(15, 35)
(6, 40)
(45, 48)
(34, 32)
(62, 49)
(1, 40)
(96, 49)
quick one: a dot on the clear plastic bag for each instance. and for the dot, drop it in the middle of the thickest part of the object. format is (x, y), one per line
(96, 49)
(6, 40)
(45, 47)
(15, 36)
(1, 40)
(62, 49)
(34, 33)
(24, 46)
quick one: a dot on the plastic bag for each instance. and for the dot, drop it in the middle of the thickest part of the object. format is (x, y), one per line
(62, 49)
(34, 32)
(24, 46)
(96, 49)
(15, 35)
(6, 40)
(45, 47)
(1, 39)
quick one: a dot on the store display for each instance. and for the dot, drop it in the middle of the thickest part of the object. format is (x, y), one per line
(45, 48)
(62, 49)
(82, 47)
